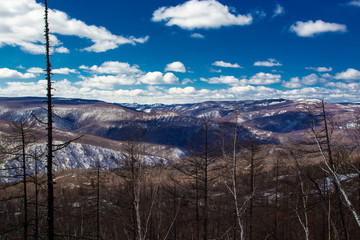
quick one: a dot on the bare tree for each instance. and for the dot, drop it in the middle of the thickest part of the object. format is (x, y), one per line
(20, 137)
(131, 167)
(231, 163)
(49, 167)
(302, 215)
(199, 170)
(321, 132)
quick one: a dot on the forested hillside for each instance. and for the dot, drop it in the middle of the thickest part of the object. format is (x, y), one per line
(232, 176)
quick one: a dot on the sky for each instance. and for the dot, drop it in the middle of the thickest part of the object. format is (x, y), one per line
(172, 51)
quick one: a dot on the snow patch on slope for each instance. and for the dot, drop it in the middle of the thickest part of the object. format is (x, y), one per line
(77, 155)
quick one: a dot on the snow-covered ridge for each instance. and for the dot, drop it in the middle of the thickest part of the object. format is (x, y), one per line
(82, 156)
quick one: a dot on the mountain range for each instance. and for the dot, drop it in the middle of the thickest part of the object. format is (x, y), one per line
(165, 130)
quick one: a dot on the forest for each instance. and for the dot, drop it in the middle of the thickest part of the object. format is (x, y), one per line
(225, 187)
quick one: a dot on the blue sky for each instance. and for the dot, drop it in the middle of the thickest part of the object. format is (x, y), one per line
(171, 51)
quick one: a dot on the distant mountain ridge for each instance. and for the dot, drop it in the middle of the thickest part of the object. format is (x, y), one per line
(166, 129)
(171, 124)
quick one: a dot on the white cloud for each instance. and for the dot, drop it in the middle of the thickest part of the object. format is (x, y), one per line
(265, 79)
(336, 91)
(230, 80)
(253, 92)
(197, 35)
(153, 78)
(107, 82)
(320, 69)
(10, 73)
(327, 75)
(62, 50)
(186, 81)
(294, 82)
(22, 24)
(344, 86)
(112, 73)
(182, 91)
(18, 89)
(226, 65)
(197, 14)
(35, 70)
(175, 67)
(349, 75)
(279, 10)
(215, 70)
(258, 79)
(65, 71)
(83, 67)
(271, 62)
(113, 67)
(311, 79)
(311, 28)
(354, 3)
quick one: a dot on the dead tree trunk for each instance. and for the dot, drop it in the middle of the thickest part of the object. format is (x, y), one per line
(49, 167)
(23, 145)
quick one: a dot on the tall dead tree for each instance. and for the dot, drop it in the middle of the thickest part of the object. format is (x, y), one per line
(231, 163)
(24, 135)
(15, 146)
(253, 161)
(49, 167)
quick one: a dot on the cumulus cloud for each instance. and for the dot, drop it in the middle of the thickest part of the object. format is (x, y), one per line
(35, 70)
(311, 79)
(198, 14)
(107, 81)
(279, 10)
(265, 79)
(186, 81)
(153, 78)
(320, 69)
(21, 24)
(113, 67)
(337, 91)
(297, 82)
(311, 28)
(10, 73)
(345, 86)
(112, 73)
(19, 89)
(62, 50)
(258, 79)
(230, 80)
(271, 62)
(349, 75)
(354, 3)
(182, 91)
(226, 65)
(175, 67)
(197, 35)
(294, 82)
(65, 71)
